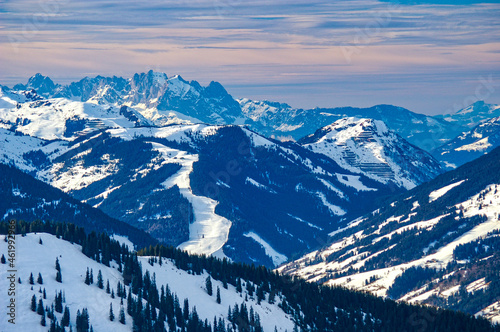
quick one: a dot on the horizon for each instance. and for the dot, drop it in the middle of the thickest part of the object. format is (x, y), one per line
(431, 57)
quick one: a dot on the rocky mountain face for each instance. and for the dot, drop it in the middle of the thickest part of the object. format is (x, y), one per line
(277, 119)
(367, 146)
(472, 115)
(437, 244)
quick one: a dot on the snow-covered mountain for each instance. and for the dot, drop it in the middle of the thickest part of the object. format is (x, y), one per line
(172, 100)
(162, 99)
(472, 115)
(189, 185)
(470, 145)
(367, 146)
(37, 253)
(28, 199)
(271, 118)
(437, 244)
(96, 283)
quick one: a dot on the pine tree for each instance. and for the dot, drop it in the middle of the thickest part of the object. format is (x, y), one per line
(44, 294)
(249, 288)
(260, 294)
(31, 281)
(186, 309)
(208, 284)
(66, 317)
(40, 242)
(100, 282)
(58, 276)
(91, 276)
(42, 321)
(40, 309)
(82, 320)
(58, 267)
(238, 286)
(218, 295)
(271, 296)
(111, 314)
(39, 279)
(87, 277)
(2, 259)
(122, 316)
(58, 302)
(107, 287)
(130, 303)
(224, 282)
(52, 326)
(33, 303)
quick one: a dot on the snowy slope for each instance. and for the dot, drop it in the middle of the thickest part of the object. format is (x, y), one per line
(32, 257)
(367, 146)
(427, 227)
(176, 182)
(60, 118)
(472, 115)
(470, 145)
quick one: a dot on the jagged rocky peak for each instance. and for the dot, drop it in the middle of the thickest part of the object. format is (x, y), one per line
(43, 85)
(215, 89)
(38, 81)
(147, 87)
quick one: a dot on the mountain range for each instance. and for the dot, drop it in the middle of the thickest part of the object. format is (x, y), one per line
(356, 197)
(189, 185)
(166, 100)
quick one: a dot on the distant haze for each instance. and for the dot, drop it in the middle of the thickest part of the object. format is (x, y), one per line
(428, 56)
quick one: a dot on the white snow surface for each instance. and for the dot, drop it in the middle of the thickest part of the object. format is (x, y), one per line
(209, 231)
(440, 192)
(123, 241)
(488, 205)
(259, 185)
(32, 257)
(363, 146)
(353, 181)
(479, 145)
(277, 258)
(46, 119)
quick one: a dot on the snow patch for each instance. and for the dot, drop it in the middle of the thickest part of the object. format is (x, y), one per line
(440, 192)
(276, 257)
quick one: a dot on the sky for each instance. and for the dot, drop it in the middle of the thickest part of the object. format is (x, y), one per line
(431, 57)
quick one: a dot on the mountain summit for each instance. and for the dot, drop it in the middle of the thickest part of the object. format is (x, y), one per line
(367, 146)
